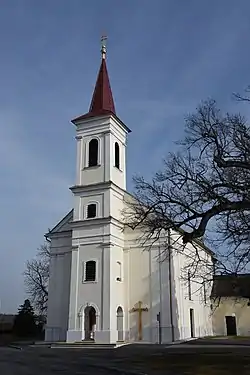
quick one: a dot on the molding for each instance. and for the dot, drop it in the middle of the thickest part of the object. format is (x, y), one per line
(99, 239)
(96, 221)
(55, 255)
(78, 137)
(97, 121)
(107, 244)
(98, 186)
(61, 234)
(90, 187)
(86, 167)
(83, 244)
(101, 120)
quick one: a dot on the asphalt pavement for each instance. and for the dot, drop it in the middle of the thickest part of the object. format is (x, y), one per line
(131, 359)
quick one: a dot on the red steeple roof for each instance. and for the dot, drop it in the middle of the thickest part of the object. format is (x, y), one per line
(102, 102)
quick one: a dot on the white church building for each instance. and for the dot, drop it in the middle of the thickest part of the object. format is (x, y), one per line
(104, 285)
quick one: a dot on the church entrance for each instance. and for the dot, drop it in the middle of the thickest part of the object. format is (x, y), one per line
(89, 323)
(119, 315)
(231, 326)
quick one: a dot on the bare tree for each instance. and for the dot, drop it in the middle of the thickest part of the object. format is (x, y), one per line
(36, 277)
(243, 98)
(203, 190)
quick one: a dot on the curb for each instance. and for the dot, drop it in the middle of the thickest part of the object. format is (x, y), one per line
(15, 347)
(182, 341)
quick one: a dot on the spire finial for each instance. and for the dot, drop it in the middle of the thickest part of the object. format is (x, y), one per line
(103, 49)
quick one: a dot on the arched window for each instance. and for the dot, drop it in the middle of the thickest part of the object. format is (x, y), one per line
(119, 323)
(90, 271)
(117, 155)
(91, 211)
(93, 152)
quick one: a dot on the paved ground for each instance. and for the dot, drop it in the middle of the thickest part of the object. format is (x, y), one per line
(132, 359)
(226, 340)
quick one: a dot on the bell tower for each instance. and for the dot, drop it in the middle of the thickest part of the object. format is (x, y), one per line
(97, 229)
(101, 136)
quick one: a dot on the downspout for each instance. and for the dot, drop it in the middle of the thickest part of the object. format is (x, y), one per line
(102, 289)
(160, 291)
(169, 249)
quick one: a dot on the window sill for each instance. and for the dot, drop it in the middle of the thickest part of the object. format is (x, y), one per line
(92, 167)
(89, 282)
(118, 169)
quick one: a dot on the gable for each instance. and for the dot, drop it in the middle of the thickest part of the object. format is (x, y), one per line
(64, 225)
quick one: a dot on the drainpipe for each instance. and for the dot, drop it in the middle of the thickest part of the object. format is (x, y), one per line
(102, 290)
(169, 249)
(160, 290)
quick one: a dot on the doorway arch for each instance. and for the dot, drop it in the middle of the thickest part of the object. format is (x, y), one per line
(119, 317)
(89, 323)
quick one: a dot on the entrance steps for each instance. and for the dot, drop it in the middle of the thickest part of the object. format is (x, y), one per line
(82, 345)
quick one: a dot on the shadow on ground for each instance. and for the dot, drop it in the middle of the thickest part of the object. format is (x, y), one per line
(140, 359)
(226, 340)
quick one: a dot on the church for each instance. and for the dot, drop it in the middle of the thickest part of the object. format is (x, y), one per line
(104, 285)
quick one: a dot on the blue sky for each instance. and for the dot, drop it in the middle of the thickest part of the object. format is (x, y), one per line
(164, 57)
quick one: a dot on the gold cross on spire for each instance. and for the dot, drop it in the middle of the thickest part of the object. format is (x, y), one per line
(103, 49)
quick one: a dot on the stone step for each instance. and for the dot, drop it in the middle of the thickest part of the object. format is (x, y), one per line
(82, 345)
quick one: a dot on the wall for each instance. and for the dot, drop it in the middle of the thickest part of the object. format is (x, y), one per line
(231, 307)
(59, 288)
(199, 263)
(147, 279)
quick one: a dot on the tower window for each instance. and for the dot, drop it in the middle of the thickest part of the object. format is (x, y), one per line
(117, 155)
(93, 152)
(91, 211)
(90, 271)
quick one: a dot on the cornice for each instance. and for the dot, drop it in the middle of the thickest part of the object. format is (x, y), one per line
(96, 222)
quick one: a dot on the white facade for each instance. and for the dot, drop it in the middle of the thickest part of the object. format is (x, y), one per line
(101, 308)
